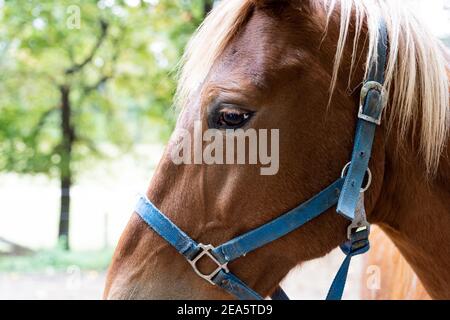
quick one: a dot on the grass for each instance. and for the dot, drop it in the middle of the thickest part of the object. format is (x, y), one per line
(58, 260)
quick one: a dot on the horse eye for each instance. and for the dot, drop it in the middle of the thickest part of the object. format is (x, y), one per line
(229, 118)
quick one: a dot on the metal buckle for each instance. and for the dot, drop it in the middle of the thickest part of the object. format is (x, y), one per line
(357, 226)
(371, 85)
(359, 223)
(206, 250)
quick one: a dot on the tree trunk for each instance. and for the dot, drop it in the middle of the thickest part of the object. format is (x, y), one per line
(207, 6)
(64, 168)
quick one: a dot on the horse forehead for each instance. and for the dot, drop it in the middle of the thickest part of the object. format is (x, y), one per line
(264, 46)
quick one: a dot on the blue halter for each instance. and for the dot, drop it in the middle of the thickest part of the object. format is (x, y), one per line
(345, 192)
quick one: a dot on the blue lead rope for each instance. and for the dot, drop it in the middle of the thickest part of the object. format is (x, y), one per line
(350, 249)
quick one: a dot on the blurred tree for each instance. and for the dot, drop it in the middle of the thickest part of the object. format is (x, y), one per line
(77, 75)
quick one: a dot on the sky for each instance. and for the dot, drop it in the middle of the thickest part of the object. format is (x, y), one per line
(435, 14)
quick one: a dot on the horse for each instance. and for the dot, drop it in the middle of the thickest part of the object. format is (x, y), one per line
(298, 66)
(394, 277)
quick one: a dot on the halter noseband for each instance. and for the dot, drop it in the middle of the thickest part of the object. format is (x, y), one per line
(346, 192)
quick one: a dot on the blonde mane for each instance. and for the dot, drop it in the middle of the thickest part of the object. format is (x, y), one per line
(419, 100)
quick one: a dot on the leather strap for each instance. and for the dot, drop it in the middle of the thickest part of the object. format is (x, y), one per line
(233, 285)
(241, 245)
(279, 294)
(166, 228)
(189, 248)
(365, 132)
(280, 226)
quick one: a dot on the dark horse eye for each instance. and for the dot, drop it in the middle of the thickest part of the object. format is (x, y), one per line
(229, 118)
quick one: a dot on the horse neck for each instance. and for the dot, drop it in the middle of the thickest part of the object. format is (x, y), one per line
(414, 212)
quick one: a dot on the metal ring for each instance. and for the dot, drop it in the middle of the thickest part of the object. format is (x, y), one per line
(369, 177)
(206, 251)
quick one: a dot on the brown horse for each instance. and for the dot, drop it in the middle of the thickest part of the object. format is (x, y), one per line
(297, 66)
(394, 277)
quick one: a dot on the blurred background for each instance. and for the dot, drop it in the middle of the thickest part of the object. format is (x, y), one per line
(86, 91)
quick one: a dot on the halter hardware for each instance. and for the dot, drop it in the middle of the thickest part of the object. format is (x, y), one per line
(369, 177)
(357, 228)
(367, 87)
(206, 251)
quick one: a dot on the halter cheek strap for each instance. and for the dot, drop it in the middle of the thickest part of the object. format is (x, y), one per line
(372, 103)
(345, 192)
(238, 246)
